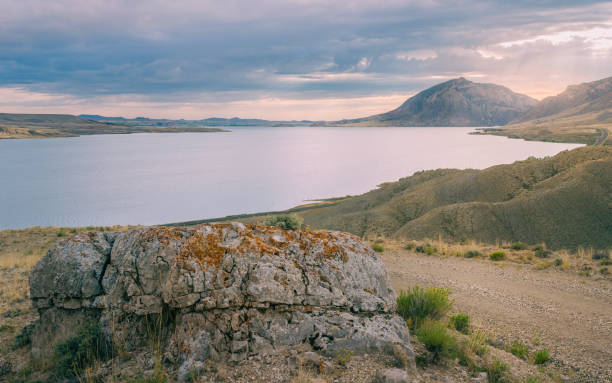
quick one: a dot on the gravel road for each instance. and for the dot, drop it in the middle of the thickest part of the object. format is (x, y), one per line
(567, 314)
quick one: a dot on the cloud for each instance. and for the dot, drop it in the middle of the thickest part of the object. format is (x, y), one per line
(159, 52)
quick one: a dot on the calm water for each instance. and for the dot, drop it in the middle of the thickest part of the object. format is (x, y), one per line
(160, 178)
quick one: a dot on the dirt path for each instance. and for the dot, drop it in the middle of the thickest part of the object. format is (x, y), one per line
(571, 314)
(604, 136)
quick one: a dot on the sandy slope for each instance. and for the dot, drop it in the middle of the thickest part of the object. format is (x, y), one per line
(571, 314)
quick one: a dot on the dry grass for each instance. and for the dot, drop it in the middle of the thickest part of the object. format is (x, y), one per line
(561, 260)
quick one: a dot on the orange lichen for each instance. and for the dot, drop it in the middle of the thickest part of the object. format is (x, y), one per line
(205, 251)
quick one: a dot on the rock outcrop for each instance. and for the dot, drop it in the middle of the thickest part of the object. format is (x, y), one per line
(220, 292)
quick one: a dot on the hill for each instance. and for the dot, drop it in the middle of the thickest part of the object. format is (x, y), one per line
(563, 201)
(582, 113)
(457, 102)
(213, 121)
(66, 125)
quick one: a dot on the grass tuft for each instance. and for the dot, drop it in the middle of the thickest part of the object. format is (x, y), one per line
(416, 304)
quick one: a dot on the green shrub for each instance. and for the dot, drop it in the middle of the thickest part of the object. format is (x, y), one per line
(558, 262)
(436, 339)
(605, 262)
(472, 254)
(286, 222)
(497, 255)
(600, 255)
(378, 247)
(61, 234)
(519, 349)
(604, 271)
(541, 253)
(416, 304)
(518, 246)
(426, 249)
(541, 357)
(24, 337)
(87, 346)
(496, 371)
(460, 322)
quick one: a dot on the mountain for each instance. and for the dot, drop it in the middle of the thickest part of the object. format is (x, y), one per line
(582, 113)
(576, 100)
(564, 201)
(66, 125)
(457, 102)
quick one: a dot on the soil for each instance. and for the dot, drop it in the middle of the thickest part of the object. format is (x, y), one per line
(568, 314)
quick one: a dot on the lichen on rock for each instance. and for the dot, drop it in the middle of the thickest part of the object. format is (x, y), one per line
(219, 291)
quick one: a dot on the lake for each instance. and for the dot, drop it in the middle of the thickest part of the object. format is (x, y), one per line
(161, 178)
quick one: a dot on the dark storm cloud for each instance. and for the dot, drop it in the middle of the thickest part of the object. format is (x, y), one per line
(176, 49)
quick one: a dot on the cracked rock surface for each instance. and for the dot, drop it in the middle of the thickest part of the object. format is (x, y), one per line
(218, 291)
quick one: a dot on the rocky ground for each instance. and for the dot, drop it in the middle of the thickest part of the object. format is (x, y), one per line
(567, 313)
(563, 309)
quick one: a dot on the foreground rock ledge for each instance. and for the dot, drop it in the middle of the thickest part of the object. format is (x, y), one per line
(219, 291)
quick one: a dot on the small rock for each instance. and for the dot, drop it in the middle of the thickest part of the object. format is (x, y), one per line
(391, 375)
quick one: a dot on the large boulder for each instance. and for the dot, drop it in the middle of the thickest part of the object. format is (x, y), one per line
(218, 291)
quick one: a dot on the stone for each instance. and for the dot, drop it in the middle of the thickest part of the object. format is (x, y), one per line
(391, 375)
(219, 292)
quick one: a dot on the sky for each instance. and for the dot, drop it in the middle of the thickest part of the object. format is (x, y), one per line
(286, 59)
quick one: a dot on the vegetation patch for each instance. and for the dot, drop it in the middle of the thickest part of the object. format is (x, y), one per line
(87, 346)
(518, 246)
(436, 339)
(541, 357)
(497, 255)
(24, 337)
(286, 222)
(417, 303)
(472, 254)
(519, 349)
(378, 247)
(460, 322)
(497, 372)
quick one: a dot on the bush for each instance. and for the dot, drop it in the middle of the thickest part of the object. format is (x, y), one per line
(416, 304)
(496, 371)
(426, 249)
(472, 254)
(497, 255)
(461, 322)
(604, 271)
(600, 255)
(518, 246)
(605, 262)
(436, 339)
(558, 262)
(541, 357)
(378, 247)
(24, 337)
(61, 234)
(87, 346)
(519, 349)
(541, 253)
(286, 222)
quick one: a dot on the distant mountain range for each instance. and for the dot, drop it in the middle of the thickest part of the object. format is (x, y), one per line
(66, 125)
(582, 113)
(457, 102)
(214, 121)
